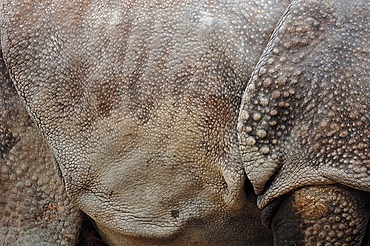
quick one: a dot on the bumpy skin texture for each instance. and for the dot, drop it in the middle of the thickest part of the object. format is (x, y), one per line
(34, 207)
(304, 120)
(139, 101)
(305, 113)
(321, 215)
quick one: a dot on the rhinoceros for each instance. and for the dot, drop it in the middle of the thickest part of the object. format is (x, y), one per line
(185, 122)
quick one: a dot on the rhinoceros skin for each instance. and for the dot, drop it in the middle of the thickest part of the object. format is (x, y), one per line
(304, 124)
(165, 118)
(34, 207)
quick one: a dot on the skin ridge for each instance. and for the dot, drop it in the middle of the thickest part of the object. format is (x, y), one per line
(306, 120)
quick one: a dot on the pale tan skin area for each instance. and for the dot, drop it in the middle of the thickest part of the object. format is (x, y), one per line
(139, 101)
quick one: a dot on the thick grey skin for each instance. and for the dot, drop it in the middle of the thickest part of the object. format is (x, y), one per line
(304, 124)
(34, 207)
(139, 102)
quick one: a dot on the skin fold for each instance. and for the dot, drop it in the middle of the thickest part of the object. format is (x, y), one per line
(139, 102)
(176, 122)
(34, 207)
(304, 125)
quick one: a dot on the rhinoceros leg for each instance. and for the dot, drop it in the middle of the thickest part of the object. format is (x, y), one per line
(320, 215)
(304, 119)
(34, 207)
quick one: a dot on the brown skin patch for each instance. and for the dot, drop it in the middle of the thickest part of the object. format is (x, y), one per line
(218, 119)
(332, 214)
(310, 206)
(320, 215)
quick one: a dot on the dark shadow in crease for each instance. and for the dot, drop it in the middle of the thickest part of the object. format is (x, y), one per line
(89, 235)
(366, 239)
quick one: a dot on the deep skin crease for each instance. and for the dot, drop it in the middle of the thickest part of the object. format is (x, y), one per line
(155, 111)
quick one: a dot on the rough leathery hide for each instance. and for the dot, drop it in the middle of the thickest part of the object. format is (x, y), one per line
(34, 207)
(139, 101)
(305, 118)
(321, 215)
(332, 215)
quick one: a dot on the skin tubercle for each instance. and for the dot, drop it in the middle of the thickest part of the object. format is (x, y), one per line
(303, 121)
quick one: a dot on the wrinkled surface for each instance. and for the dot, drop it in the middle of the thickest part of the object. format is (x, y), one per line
(305, 118)
(34, 207)
(139, 101)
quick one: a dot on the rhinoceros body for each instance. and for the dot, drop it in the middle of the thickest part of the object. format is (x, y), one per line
(166, 118)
